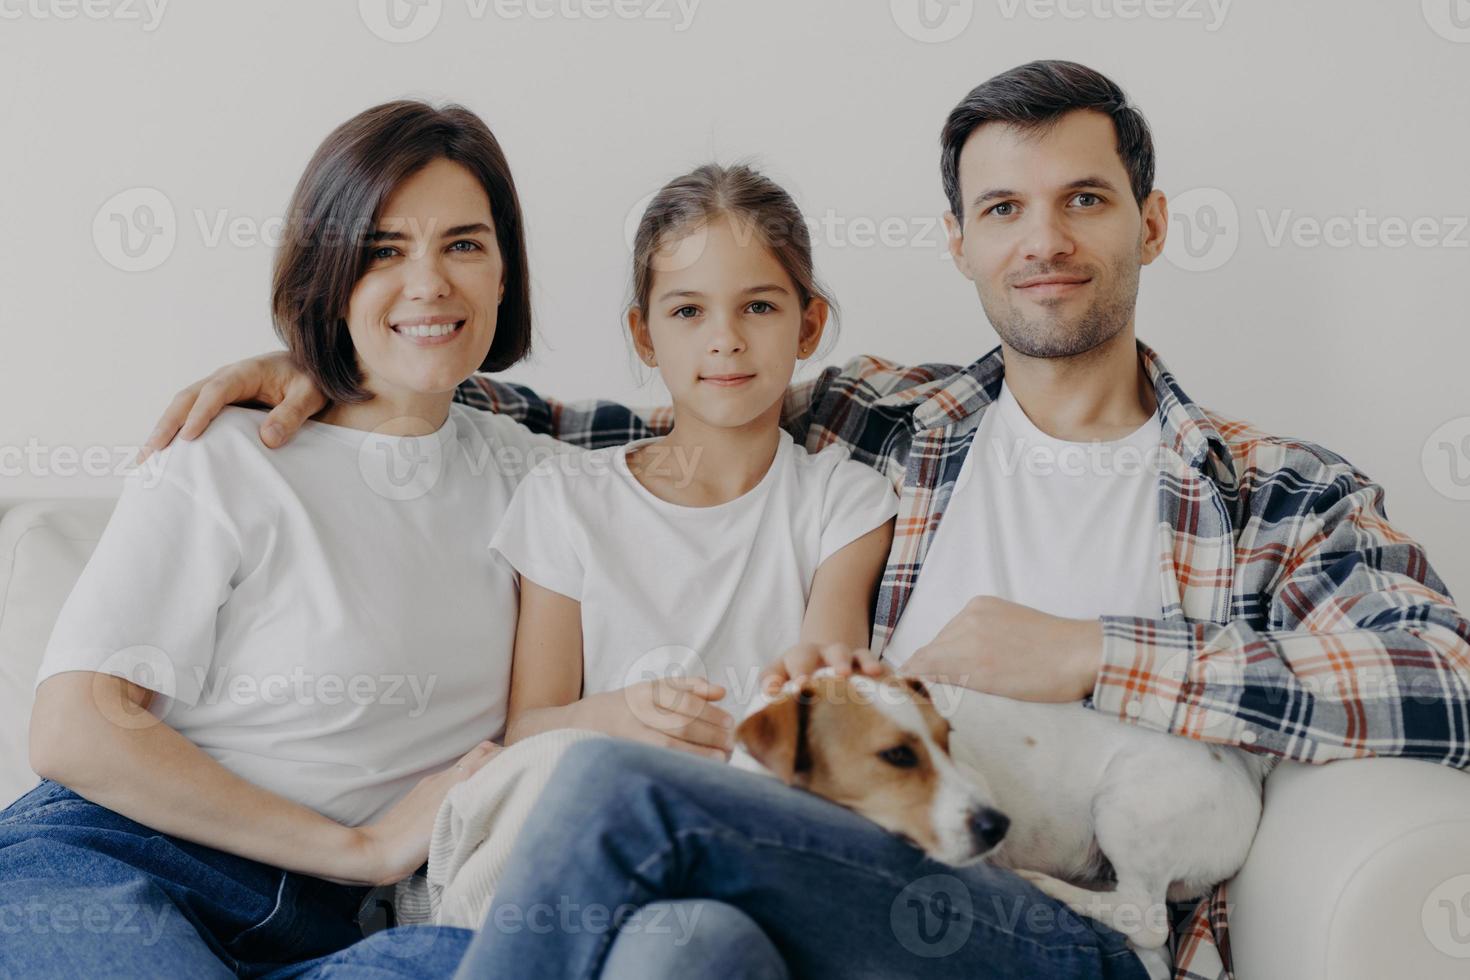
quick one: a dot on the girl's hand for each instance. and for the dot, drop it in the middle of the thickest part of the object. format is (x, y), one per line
(673, 712)
(397, 844)
(804, 659)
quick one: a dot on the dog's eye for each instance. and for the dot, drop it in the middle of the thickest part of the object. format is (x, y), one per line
(901, 756)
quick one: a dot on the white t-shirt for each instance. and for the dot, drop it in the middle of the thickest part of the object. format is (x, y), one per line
(715, 592)
(1069, 528)
(325, 620)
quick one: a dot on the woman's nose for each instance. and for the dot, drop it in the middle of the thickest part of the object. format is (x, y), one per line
(424, 279)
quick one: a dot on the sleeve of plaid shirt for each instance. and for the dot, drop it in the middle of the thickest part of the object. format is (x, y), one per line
(596, 424)
(1356, 648)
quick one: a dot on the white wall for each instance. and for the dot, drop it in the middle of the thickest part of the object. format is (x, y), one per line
(1307, 110)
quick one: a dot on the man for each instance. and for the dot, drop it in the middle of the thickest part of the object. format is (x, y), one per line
(1235, 587)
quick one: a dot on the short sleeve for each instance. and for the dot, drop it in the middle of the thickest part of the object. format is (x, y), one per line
(146, 604)
(858, 499)
(537, 534)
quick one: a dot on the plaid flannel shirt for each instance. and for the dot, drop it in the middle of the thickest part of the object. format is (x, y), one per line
(1296, 622)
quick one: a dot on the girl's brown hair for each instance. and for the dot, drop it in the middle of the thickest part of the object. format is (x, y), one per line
(333, 213)
(708, 192)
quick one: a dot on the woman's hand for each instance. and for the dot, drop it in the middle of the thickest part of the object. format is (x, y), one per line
(805, 659)
(270, 379)
(673, 712)
(397, 844)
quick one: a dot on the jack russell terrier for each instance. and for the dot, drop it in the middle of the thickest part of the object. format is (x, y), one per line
(1107, 818)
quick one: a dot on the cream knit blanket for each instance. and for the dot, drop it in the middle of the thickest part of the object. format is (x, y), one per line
(476, 827)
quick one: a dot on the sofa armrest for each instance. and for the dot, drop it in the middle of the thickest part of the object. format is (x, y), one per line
(1360, 870)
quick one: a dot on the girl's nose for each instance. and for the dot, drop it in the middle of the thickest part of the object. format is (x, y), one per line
(724, 338)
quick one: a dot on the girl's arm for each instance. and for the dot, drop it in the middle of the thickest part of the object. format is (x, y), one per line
(546, 688)
(838, 624)
(93, 733)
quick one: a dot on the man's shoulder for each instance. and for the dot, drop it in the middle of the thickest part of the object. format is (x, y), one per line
(867, 378)
(1283, 463)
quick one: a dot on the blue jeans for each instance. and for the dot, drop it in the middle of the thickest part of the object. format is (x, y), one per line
(622, 825)
(86, 892)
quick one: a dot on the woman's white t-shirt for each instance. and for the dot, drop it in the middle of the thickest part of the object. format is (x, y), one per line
(326, 619)
(715, 592)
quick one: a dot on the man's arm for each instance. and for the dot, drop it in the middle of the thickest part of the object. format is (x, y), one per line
(1364, 654)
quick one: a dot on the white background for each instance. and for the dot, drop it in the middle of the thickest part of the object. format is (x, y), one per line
(1290, 114)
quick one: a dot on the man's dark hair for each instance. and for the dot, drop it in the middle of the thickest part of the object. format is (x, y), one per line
(1034, 97)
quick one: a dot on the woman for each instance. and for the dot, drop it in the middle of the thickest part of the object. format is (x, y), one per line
(277, 664)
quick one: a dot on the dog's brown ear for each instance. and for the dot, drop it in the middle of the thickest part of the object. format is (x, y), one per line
(775, 736)
(918, 687)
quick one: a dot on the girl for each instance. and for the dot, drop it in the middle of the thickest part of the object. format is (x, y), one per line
(704, 554)
(277, 663)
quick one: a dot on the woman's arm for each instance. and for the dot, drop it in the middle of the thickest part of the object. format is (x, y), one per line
(93, 733)
(839, 614)
(546, 688)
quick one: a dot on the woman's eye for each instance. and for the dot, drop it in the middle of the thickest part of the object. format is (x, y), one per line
(900, 756)
(382, 252)
(685, 312)
(472, 246)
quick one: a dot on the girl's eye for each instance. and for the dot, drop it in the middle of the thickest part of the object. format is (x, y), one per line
(685, 312)
(761, 306)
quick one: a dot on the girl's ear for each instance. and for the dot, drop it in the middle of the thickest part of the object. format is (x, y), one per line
(642, 340)
(813, 322)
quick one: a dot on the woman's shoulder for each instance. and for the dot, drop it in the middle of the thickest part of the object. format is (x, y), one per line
(233, 435)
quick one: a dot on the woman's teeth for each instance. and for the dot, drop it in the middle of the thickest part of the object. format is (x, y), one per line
(429, 330)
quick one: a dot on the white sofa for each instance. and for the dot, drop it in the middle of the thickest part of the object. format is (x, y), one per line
(1360, 870)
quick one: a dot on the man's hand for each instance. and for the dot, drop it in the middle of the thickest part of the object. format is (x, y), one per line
(270, 379)
(1014, 651)
(804, 659)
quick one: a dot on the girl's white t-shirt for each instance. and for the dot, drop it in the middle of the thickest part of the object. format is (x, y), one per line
(665, 589)
(325, 619)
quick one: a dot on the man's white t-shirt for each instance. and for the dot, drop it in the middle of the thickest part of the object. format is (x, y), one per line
(326, 619)
(716, 592)
(1069, 528)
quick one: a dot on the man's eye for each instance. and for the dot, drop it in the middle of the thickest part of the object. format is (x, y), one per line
(1088, 200)
(900, 756)
(1004, 209)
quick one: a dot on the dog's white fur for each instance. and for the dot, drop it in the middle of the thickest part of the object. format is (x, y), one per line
(1172, 816)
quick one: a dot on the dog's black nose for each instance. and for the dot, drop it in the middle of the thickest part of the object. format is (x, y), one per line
(989, 825)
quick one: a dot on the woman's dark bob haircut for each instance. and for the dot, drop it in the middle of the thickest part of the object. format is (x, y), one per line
(334, 211)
